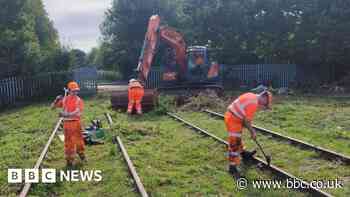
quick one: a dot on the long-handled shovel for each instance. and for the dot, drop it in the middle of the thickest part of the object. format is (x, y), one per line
(267, 157)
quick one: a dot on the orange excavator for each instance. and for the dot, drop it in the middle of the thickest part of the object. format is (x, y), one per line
(185, 68)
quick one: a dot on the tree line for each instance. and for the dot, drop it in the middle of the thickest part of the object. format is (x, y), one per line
(313, 34)
(29, 43)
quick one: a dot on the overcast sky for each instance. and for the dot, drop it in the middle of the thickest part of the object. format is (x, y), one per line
(77, 21)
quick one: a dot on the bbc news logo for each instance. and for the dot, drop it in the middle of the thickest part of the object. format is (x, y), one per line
(52, 175)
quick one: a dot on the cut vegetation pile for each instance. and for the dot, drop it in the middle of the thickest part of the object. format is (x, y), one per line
(205, 99)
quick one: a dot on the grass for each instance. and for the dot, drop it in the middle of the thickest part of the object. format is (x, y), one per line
(320, 121)
(175, 161)
(302, 163)
(171, 160)
(24, 133)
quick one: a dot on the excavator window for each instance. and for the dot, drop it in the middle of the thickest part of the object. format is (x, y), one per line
(199, 59)
(196, 59)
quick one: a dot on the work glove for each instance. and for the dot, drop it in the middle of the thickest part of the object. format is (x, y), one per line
(59, 97)
(253, 135)
(64, 114)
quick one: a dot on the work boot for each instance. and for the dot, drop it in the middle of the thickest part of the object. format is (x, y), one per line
(233, 170)
(247, 155)
(69, 165)
(82, 157)
(129, 112)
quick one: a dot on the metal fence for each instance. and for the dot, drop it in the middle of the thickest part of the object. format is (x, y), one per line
(235, 76)
(15, 90)
(86, 77)
(278, 75)
(108, 76)
(154, 78)
(18, 89)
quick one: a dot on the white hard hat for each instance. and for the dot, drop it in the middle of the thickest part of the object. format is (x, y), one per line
(132, 80)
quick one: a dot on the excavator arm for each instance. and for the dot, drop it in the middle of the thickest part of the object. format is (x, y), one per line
(149, 48)
(172, 38)
(155, 32)
(175, 40)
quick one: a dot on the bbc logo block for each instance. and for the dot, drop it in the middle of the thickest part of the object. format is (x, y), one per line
(14, 175)
(48, 175)
(31, 176)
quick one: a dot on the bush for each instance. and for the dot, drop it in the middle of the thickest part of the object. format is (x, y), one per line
(165, 103)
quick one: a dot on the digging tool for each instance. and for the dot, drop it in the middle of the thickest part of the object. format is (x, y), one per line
(65, 91)
(60, 134)
(267, 157)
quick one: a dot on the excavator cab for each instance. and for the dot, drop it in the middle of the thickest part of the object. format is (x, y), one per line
(198, 65)
(197, 56)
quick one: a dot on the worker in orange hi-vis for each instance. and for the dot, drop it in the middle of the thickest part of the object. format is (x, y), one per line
(241, 114)
(73, 107)
(135, 93)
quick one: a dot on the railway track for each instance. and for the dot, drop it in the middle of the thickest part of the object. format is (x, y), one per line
(327, 154)
(274, 169)
(27, 186)
(132, 170)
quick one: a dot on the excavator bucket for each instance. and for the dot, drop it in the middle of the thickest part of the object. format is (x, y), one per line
(120, 99)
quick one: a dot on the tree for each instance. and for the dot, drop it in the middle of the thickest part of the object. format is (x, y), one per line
(314, 34)
(124, 30)
(79, 58)
(28, 41)
(94, 57)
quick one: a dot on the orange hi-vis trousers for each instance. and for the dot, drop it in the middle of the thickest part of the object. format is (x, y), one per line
(73, 139)
(135, 98)
(234, 128)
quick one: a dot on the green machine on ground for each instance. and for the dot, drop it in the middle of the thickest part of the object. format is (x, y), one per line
(94, 134)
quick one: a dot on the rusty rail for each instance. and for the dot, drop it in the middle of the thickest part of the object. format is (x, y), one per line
(132, 170)
(109, 119)
(27, 186)
(131, 167)
(326, 152)
(281, 173)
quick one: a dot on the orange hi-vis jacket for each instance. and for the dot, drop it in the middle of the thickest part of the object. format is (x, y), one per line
(135, 84)
(245, 106)
(135, 94)
(71, 104)
(73, 138)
